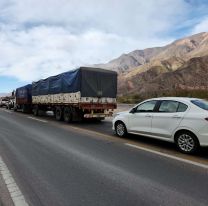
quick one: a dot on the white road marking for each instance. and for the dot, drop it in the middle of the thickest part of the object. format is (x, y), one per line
(14, 191)
(39, 120)
(168, 156)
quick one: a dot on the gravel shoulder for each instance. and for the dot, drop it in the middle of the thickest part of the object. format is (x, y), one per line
(5, 199)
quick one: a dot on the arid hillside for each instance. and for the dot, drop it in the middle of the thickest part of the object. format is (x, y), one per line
(192, 75)
(179, 66)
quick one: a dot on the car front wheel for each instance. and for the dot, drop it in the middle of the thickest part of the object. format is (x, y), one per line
(187, 142)
(120, 129)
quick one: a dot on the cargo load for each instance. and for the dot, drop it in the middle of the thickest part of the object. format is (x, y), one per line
(80, 85)
(24, 94)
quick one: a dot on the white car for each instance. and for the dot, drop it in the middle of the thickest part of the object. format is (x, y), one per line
(10, 104)
(3, 102)
(183, 121)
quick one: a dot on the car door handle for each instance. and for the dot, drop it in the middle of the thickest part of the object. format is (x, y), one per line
(176, 117)
(148, 115)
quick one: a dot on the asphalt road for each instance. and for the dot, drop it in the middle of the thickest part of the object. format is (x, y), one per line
(84, 164)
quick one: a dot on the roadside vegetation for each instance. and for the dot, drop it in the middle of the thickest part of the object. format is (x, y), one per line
(135, 98)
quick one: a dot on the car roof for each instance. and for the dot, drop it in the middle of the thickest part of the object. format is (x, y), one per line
(183, 99)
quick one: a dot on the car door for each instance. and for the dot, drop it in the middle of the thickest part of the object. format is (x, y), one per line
(141, 118)
(167, 118)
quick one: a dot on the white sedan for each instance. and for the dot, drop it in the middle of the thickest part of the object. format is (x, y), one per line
(183, 121)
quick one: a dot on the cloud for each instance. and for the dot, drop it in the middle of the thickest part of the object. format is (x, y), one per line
(42, 51)
(111, 16)
(202, 26)
(42, 38)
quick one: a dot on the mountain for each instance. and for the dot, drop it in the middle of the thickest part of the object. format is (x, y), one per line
(171, 56)
(179, 66)
(4, 94)
(126, 62)
(191, 76)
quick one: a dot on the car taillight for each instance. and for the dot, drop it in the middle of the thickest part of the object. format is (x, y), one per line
(206, 118)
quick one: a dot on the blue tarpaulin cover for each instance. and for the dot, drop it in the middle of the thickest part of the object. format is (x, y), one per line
(91, 82)
(24, 94)
(67, 82)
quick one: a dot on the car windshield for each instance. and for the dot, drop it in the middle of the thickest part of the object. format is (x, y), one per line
(203, 104)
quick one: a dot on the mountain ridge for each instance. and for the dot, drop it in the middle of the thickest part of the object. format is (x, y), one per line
(152, 66)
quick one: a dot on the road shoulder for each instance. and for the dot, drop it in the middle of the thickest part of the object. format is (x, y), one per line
(5, 198)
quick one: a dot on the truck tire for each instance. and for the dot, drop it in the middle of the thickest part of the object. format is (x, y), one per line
(36, 110)
(99, 119)
(59, 114)
(67, 114)
(24, 108)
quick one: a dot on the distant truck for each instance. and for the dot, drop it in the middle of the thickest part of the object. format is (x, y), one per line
(82, 93)
(23, 98)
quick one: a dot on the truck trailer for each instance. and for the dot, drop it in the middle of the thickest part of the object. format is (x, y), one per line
(82, 93)
(23, 98)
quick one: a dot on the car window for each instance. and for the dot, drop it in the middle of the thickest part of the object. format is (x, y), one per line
(182, 107)
(172, 106)
(203, 104)
(168, 106)
(147, 106)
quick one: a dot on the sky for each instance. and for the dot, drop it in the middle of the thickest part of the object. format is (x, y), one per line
(43, 38)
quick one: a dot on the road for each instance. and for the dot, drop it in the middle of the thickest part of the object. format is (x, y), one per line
(54, 163)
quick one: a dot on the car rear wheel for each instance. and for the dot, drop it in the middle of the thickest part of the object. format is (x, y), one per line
(187, 142)
(120, 129)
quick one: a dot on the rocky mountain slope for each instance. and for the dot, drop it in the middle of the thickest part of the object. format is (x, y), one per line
(186, 48)
(181, 65)
(126, 62)
(193, 75)
(4, 94)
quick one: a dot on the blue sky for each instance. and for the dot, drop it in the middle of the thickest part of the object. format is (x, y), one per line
(10, 83)
(42, 38)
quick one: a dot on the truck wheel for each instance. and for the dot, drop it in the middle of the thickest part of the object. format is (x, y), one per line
(67, 114)
(24, 108)
(59, 114)
(99, 119)
(35, 110)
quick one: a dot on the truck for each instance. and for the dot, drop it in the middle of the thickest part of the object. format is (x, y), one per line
(23, 98)
(85, 92)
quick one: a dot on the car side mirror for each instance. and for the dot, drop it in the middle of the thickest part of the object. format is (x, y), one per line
(133, 110)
